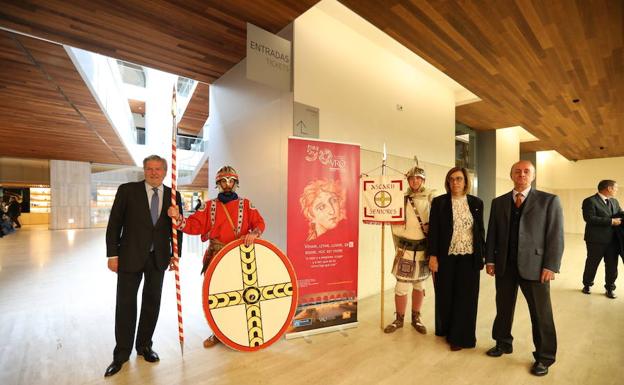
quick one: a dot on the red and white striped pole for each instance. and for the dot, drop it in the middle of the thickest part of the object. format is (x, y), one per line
(174, 231)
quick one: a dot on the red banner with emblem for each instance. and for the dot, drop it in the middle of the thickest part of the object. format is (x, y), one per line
(322, 235)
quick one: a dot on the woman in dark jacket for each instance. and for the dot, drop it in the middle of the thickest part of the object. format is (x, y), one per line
(455, 249)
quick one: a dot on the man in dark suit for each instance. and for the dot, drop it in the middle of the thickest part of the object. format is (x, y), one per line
(601, 237)
(139, 246)
(14, 211)
(524, 247)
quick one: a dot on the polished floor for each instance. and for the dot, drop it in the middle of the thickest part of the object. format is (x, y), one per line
(56, 327)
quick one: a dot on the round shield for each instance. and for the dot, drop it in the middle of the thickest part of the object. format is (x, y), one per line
(249, 294)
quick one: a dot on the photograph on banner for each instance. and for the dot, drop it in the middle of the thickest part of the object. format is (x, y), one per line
(322, 235)
(382, 199)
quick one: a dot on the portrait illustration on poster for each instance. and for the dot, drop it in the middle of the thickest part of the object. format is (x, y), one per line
(323, 203)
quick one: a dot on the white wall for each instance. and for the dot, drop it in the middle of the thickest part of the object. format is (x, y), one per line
(356, 84)
(507, 153)
(575, 181)
(158, 119)
(356, 79)
(249, 128)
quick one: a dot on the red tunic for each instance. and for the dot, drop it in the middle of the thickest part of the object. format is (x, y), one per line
(219, 227)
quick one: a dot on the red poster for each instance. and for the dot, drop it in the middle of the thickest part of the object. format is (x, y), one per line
(322, 235)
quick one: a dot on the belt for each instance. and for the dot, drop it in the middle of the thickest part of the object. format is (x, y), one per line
(415, 245)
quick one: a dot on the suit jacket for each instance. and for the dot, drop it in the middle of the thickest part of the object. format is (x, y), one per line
(597, 218)
(441, 227)
(130, 232)
(540, 236)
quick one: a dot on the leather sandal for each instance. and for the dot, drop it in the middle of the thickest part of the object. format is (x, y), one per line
(211, 341)
(417, 323)
(396, 324)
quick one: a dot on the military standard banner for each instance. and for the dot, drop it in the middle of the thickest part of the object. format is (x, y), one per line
(382, 199)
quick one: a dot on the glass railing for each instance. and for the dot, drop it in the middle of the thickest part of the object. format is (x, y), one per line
(184, 88)
(101, 74)
(191, 143)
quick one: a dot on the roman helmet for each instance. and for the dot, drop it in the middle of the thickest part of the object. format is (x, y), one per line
(228, 173)
(416, 171)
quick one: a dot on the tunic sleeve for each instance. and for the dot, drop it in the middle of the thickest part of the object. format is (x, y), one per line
(198, 222)
(255, 219)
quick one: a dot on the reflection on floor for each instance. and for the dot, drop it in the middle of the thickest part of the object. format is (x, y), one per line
(56, 327)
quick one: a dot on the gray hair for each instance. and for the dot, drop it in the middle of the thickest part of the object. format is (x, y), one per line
(155, 158)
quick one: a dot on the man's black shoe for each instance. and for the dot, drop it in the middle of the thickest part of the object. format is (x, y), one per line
(539, 369)
(113, 368)
(611, 294)
(499, 350)
(148, 354)
(586, 290)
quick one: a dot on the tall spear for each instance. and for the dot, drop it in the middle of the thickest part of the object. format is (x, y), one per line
(174, 231)
(383, 244)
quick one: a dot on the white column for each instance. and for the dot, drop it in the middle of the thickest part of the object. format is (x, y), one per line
(70, 190)
(249, 128)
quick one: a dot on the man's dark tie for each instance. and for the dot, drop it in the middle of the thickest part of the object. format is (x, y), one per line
(610, 206)
(154, 206)
(519, 200)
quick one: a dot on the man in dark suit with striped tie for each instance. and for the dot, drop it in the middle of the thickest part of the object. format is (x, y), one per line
(524, 248)
(601, 235)
(139, 247)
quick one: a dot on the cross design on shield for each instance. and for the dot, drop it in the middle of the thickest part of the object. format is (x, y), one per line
(250, 294)
(383, 199)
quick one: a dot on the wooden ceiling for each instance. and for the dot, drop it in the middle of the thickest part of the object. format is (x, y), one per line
(197, 39)
(196, 113)
(137, 106)
(46, 110)
(200, 182)
(527, 60)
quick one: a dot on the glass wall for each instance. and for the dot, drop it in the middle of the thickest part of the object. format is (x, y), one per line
(465, 152)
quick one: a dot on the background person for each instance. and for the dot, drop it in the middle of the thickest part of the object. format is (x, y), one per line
(14, 211)
(601, 236)
(139, 247)
(455, 248)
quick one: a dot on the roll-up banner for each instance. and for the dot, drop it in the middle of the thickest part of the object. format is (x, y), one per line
(322, 235)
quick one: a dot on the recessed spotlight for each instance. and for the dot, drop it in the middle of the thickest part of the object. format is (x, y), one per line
(602, 147)
(576, 100)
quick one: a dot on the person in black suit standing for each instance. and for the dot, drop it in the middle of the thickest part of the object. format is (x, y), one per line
(601, 236)
(15, 210)
(524, 247)
(455, 248)
(139, 246)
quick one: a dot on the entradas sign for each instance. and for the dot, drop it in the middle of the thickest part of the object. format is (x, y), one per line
(268, 58)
